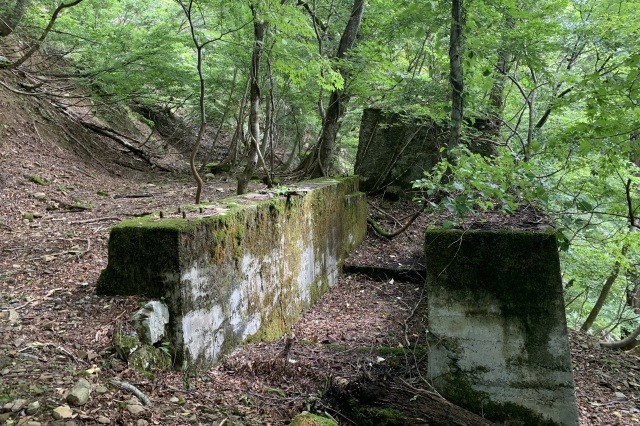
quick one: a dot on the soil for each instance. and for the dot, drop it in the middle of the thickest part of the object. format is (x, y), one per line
(61, 189)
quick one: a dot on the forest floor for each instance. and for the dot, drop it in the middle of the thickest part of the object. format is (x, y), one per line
(62, 188)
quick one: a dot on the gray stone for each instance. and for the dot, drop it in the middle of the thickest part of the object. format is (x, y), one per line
(142, 422)
(135, 409)
(79, 395)
(33, 408)
(17, 405)
(150, 322)
(62, 412)
(103, 420)
(32, 423)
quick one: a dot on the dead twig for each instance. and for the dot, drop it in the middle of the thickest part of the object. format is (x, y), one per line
(98, 219)
(134, 390)
(389, 235)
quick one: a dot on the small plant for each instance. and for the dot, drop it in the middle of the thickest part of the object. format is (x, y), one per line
(37, 180)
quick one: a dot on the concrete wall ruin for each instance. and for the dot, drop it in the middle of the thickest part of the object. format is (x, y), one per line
(243, 269)
(498, 335)
(395, 149)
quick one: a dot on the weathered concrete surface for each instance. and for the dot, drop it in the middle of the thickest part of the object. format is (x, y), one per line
(244, 269)
(499, 343)
(395, 149)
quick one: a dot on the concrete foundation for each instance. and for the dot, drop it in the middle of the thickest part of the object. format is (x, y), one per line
(498, 335)
(242, 269)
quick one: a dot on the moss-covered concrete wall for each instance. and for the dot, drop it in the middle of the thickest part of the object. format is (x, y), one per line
(395, 149)
(245, 269)
(499, 343)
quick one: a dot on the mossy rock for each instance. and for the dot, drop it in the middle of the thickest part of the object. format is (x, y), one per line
(125, 344)
(147, 359)
(309, 419)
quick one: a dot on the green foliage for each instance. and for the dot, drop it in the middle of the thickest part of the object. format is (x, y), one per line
(476, 183)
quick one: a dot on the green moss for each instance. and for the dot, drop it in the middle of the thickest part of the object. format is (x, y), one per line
(148, 359)
(520, 270)
(365, 415)
(37, 180)
(308, 419)
(458, 389)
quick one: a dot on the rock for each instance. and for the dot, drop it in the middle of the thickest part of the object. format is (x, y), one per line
(33, 408)
(62, 412)
(150, 322)
(307, 419)
(135, 409)
(33, 423)
(148, 358)
(142, 422)
(39, 195)
(620, 396)
(15, 406)
(125, 344)
(174, 399)
(209, 176)
(12, 315)
(103, 420)
(102, 389)
(79, 395)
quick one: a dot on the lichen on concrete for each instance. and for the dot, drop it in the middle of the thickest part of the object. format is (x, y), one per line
(246, 273)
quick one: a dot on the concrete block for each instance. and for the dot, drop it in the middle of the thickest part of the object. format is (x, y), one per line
(241, 269)
(499, 342)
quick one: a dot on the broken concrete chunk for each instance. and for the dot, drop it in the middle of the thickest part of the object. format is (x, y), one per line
(150, 322)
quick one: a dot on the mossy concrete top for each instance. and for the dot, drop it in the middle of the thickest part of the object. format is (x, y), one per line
(242, 268)
(498, 326)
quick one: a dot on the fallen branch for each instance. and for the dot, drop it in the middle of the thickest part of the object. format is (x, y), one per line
(626, 343)
(98, 219)
(134, 196)
(389, 235)
(104, 131)
(134, 390)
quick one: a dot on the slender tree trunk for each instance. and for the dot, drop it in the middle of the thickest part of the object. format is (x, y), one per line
(322, 156)
(496, 96)
(606, 288)
(36, 45)
(259, 30)
(456, 73)
(187, 9)
(10, 18)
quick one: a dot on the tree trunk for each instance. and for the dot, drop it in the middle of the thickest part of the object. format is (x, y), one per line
(9, 19)
(606, 288)
(324, 152)
(456, 74)
(259, 30)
